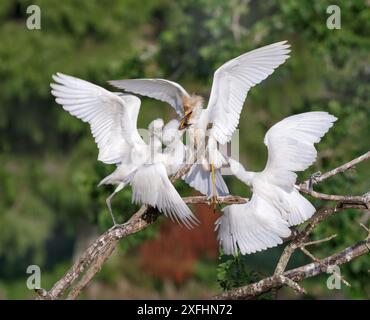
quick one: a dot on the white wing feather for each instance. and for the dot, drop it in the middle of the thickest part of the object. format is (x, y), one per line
(232, 82)
(290, 145)
(251, 227)
(161, 89)
(112, 117)
(275, 204)
(150, 185)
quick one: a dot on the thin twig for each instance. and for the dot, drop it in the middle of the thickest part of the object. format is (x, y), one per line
(300, 238)
(340, 169)
(310, 243)
(313, 258)
(292, 284)
(333, 197)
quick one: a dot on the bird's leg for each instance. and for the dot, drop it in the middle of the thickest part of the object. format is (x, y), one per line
(214, 200)
(109, 199)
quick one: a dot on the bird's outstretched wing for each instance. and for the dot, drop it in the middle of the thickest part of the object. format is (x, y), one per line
(112, 117)
(160, 89)
(150, 185)
(232, 82)
(276, 203)
(251, 227)
(290, 145)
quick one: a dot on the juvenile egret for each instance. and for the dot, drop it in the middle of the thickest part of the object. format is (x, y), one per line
(175, 150)
(113, 121)
(231, 84)
(178, 153)
(275, 204)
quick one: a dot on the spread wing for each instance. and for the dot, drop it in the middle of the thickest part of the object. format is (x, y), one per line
(112, 117)
(234, 79)
(160, 89)
(290, 145)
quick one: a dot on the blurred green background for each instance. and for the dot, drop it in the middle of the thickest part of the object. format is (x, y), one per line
(50, 207)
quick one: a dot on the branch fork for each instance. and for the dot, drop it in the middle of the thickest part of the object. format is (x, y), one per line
(93, 258)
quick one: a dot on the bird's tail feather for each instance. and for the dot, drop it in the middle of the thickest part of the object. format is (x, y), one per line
(150, 185)
(251, 227)
(201, 180)
(295, 208)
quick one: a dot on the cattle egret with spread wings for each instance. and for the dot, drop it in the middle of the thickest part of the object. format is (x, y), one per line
(275, 204)
(231, 83)
(113, 121)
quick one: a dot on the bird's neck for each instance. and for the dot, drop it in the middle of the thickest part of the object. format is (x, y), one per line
(197, 111)
(155, 143)
(243, 175)
(247, 177)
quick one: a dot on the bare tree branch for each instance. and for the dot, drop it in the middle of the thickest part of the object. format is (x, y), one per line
(341, 168)
(298, 274)
(333, 197)
(95, 268)
(221, 200)
(98, 252)
(91, 261)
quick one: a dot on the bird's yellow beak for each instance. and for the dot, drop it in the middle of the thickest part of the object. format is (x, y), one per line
(184, 121)
(183, 124)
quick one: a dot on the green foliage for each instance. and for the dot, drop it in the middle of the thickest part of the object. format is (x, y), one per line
(232, 272)
(235, 271)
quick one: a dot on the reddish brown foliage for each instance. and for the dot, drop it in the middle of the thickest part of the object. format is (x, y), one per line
(173, 254)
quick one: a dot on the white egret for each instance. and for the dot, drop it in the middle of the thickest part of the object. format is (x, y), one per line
(231, 84)
(178, 153)
(175, 151)
(275, 204)
(113, 121)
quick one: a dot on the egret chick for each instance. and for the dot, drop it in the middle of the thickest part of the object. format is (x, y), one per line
(275, 204)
